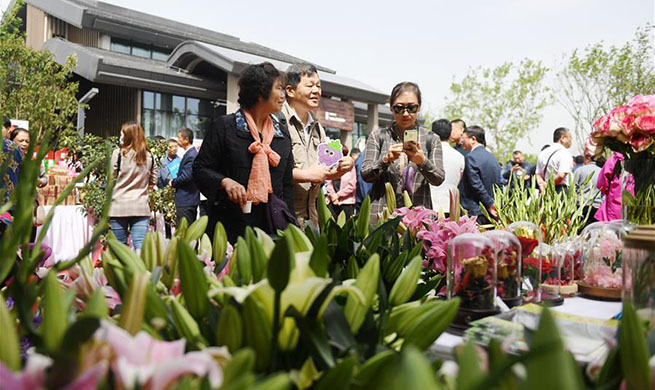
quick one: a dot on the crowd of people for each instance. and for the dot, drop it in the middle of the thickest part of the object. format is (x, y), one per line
(259, 166)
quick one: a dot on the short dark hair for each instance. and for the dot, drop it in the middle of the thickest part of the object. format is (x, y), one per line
(296, 71)
(559, 133)
(405, 86)
(14, 133)
(6, 122)
(442, 128)
(172, 140)
(514, 153)
(477, 132)
(458, 121)
(158, 138)
(600, 161)
(579, 159)
(186, 133)
(256, 81)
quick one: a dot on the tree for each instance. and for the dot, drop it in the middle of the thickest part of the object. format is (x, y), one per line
(507, 101)
(32, 85)
(599, 78)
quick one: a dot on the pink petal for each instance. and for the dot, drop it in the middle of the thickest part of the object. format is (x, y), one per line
(9, 380)
(196, 363)
(89, 379)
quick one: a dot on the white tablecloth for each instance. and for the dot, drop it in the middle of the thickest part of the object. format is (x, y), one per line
(69, 231)
(445, 344)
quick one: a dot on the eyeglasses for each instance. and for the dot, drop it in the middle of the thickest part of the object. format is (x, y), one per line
(411, 108)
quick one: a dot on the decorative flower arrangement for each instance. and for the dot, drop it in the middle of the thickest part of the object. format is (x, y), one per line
(508, 275)
(630, 130)
(603, 259)
(435, 232)
(471, 271)
(529, 237)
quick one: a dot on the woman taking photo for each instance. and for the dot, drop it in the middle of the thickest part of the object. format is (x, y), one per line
(408, 165)
(245, 164)
(136, 173)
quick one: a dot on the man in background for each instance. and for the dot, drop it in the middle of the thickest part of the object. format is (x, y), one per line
(453, 165)
(171, 157)
(556, 161)
(187, 196)
(457, 129)
(518, 170)
(481, 175)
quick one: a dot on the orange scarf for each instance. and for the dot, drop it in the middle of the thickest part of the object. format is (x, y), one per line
(259, 182)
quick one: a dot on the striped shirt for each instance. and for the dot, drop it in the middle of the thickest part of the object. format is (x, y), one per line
(402, 174)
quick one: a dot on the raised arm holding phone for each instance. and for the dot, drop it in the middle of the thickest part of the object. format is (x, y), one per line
(405, 155)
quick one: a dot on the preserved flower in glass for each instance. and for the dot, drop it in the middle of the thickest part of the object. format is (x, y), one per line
(472, 271)
(550, 274)
(603, 257)
(508, 271)
(530, 238)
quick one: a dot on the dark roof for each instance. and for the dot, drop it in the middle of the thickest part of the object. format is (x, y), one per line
(106, 66)
(126, 23)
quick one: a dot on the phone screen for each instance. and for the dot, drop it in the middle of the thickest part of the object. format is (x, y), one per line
(410, 136)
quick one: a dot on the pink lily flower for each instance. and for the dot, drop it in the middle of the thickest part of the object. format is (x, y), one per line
(152, 364)
(33, 376)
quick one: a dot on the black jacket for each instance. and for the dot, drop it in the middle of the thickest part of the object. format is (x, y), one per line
(186, 192)
(481, 174)
(224, 153)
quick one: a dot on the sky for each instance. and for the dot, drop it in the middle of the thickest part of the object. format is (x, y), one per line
(432, 43)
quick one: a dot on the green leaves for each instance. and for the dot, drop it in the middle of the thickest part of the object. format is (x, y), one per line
(220, 243)
(363, 223)
(230, 331)
(407, 282)
(279, 265)
(633, 350)
(196, 230)
(135, 304)
(367, 282)
(10, 351)
(547, 350)
(55, 312)
(193, 282)
(424, 329)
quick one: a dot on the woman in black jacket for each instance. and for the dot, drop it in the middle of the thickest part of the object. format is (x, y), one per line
(227, 173)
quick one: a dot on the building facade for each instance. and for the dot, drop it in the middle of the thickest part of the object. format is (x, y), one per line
(168, 75)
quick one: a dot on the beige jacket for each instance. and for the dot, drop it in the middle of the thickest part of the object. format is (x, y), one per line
(305, 155)
(130, 197)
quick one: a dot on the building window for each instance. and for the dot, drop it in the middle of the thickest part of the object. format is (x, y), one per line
(133, 49)
(359, 133)
(164, 114)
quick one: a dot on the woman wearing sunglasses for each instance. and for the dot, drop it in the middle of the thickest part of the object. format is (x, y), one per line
(410, 164)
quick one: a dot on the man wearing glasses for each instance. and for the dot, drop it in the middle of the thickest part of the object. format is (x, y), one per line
(303, 92)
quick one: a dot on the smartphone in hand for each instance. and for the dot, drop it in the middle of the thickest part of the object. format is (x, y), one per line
(410, 136)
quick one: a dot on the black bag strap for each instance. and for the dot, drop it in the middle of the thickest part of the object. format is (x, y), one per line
(548, 161)
(118, 168)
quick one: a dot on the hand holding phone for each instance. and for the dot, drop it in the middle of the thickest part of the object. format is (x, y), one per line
(410, 136)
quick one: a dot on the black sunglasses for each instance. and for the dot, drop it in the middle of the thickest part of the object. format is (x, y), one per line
(411, 108)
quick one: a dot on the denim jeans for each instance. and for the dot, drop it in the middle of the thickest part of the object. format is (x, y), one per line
(138, 226)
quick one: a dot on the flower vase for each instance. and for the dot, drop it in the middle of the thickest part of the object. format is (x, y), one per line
(638, 189)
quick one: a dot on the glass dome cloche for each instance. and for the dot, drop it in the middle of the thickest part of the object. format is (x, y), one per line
(508, 269)
(602, 273)
(530, 238)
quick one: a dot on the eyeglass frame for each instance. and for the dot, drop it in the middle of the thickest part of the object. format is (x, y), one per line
(410, 108)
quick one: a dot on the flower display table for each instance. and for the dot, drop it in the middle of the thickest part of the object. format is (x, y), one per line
(444, 347)
(69, 231)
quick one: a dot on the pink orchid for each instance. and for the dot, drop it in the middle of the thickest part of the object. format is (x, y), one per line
(437, 236)
(152, 364)
(646, 124)
(416, 217)
(33, 376)
(85, 285)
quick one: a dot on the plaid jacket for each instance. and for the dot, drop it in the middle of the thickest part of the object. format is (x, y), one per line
(402, 175)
